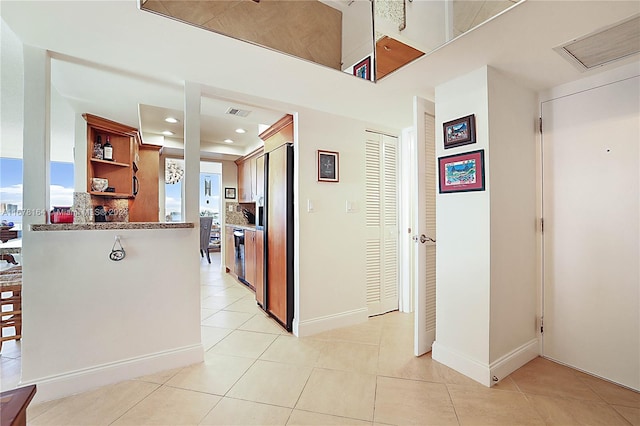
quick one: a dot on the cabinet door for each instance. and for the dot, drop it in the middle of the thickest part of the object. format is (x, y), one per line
(229, 249)
(145, 207)
(244, 181)
(260, 268)
(250, 257)
(260, 180)
(252, 169)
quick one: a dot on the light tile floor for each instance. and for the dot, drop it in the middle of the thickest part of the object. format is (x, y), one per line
(255, 373)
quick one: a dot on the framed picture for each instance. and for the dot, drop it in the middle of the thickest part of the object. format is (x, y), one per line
(462, 172)
(459, 132)
(229, 193)
(363, 68)
(328, 166)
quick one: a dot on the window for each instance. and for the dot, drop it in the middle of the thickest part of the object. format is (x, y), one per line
(60, 189)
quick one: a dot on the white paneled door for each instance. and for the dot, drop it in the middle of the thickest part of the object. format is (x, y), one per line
(591, 198)
(381, 217)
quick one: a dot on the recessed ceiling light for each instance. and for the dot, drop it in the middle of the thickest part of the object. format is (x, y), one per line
(228, 141)
(171, 120)
(241, 131)
(167, 133)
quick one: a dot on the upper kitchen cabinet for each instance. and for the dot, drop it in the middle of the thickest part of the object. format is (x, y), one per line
(248, 177)
(119, 170)
(145, 207)
(132, 172)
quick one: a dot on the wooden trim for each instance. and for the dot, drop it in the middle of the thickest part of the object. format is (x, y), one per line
(276, 127)
(255, 153)
(150, 147)
(110, 126)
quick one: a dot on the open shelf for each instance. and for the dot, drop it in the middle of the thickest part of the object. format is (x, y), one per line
(111, 194)
(111, 163)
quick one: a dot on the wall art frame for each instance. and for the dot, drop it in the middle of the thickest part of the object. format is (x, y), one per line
(462, 172)
(229, 193)
(363, 68)
(459, 132)
(328, 166)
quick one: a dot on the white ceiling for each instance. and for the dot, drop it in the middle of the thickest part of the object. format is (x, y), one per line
(109, 57)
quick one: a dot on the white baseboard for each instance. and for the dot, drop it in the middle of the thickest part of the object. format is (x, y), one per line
(515, 359)
(329, 322)
(62, 385)
(461, 363)
(484, 373)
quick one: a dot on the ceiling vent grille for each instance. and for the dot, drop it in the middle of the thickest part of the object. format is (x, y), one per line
(238, 112)
(604, 46)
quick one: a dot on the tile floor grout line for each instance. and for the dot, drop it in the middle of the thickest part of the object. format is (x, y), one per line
(453, 405)
(136, 404)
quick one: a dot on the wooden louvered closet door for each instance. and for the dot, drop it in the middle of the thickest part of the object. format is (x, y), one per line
(381, 218)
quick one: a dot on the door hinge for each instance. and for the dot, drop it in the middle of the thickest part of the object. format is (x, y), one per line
(540, 124)
(541, 325)
(542, 225)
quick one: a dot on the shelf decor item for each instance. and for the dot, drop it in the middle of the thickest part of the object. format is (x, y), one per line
(229, 193)
(363, 68)
(462, 172)
(328, 166)
(461, 131)
(99, 184)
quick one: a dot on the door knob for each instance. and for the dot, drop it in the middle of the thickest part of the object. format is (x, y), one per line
(423, 239)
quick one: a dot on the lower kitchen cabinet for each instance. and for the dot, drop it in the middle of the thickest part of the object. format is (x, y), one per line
(259, 284)
(250, 257)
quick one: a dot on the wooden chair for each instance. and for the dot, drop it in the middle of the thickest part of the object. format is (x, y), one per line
(11, 303)
(205, 235)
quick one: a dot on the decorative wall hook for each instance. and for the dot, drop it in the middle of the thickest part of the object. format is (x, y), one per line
(117, 251)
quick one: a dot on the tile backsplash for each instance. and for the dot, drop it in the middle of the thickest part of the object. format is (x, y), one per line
(235, 216)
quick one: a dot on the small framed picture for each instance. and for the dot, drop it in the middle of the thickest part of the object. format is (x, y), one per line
(459, 132)
(328, 166)
(462, 172)
(363, 68)
(229, 193)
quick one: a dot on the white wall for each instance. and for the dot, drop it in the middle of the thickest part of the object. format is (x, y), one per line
(463, 230)
(62, 129)
(512, 150)
(486, 251)
(357, 33)
(89, 321)
(330, 287)
(11, 101)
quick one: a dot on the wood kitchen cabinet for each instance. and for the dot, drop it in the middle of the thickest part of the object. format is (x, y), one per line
(118, 172)
(259, 284)
(134, 172)
(260, 179)
(145, 207)
(247, 176)
(250, 256)
(244, 181)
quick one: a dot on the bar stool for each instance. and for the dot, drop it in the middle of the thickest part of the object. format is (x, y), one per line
(10, 305)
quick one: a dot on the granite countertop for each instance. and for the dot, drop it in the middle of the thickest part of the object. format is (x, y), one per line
(110, 225)
(249, 227)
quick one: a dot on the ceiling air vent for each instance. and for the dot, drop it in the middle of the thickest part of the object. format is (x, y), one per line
(238, 112)
(605, 45)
